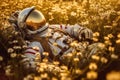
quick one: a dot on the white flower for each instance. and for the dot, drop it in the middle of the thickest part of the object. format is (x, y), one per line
(1, 58)
(92, 66)
(92, 75)
(10, 50)
(73, 13)
(113, 76)
(13, 55)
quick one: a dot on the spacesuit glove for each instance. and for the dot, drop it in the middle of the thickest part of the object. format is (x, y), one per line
(29, 62)
(85, 35)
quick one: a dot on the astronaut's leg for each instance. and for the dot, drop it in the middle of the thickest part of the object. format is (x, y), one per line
(95, 49)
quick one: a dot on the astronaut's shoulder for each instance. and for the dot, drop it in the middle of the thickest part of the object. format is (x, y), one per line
(54, 25)
(60, 26)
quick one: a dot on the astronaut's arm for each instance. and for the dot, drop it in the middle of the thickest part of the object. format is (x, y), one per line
(81, 33)
(33, 50)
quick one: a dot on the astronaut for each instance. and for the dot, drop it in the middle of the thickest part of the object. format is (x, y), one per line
(54, 39)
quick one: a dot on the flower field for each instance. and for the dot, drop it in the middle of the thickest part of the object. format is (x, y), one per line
(101, 16)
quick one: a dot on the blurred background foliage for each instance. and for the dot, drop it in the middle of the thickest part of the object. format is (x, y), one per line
(102, 16)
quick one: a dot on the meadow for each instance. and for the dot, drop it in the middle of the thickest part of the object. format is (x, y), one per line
(101, 16)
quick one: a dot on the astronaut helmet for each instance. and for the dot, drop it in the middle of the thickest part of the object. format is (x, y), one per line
(32, 20)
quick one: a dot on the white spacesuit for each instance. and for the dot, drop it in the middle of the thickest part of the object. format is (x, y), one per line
(33, 23)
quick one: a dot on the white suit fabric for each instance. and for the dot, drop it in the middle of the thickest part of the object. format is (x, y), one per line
(59, 37)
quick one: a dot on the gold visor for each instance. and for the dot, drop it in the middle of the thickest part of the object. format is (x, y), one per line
(35, 20)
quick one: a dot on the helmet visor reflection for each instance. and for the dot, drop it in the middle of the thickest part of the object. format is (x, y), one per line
(35, 20)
